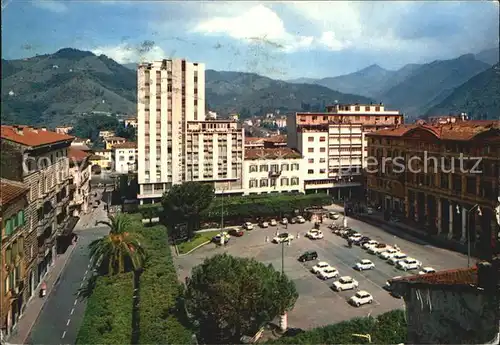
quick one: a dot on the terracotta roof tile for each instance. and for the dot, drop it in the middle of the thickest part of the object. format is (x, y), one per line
(126, 145)
(271, 153)
(32, 137)
(459, 276)
(254, 140)
(11, 190)
(77, 155)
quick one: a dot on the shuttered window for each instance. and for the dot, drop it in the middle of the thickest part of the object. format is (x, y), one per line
(8, 256)
(14, 223)
(8, 227)
(20, 246)
(20, 218)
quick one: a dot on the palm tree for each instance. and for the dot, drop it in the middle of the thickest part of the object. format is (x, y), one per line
(118, 252)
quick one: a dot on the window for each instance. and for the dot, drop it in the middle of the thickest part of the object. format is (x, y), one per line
(253, 168)
(367, 108)
(310, 171)
(295, 166)
(284, 181)
(284, 167)
(263, 167)
(310, 160)
(322, 149)
(264, 182)
(311, 149)
(322, 139)
(8, 227)
(322, 171)
(295, 181)
(253, 183)
(356, 108)
(310, 139)
(121, 158)
(322, 160)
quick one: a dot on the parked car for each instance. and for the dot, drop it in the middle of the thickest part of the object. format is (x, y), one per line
(370, 243)
(364, 265)
(273, 222)
(284, 221)
(308, 256)
(293, 220)
(389, 253)
(236, 232)
(283, 237)
(264, 225)
(363, 240)
(378, 248)
(314, 234)
(355, 237)
(333, 215)
(345, 283)
(300, 220)
(328, 273)
(217, 238)
(360, 298)
(408, 264)
(248, 226)
(397, 257)
(320, 266)
(427, 270)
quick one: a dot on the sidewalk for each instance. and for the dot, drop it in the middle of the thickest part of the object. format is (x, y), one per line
(35, 304)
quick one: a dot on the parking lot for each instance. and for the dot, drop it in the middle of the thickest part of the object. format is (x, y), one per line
(318, 304)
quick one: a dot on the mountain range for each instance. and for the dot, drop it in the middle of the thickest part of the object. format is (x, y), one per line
(54, 89)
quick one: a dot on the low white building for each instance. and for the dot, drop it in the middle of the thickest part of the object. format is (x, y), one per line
(124, 157)
(273, 170)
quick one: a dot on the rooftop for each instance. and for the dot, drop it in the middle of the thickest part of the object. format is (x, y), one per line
(77, 155)
(271, 153)
(114, 139)
(11, 190)
(126, 145)
(33, 137)
(254, 140)
(459, 276)
(276, 139)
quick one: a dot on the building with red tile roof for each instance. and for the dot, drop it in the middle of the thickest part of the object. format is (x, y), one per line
(32, 137)
(10, 191)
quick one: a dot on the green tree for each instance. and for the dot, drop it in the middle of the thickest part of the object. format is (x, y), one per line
(183, 203)
(127, 132)
(89, 126)
(231, 297)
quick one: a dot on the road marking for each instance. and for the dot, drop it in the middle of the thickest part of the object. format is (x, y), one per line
(67, 323)
(64, 334)
(72, 311)
(76, 301)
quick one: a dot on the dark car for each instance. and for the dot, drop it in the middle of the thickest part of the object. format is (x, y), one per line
(308, 256)
(236, 232)
(363, 240)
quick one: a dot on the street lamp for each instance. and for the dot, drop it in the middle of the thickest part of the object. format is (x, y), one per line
(467, 212)
(284, 316)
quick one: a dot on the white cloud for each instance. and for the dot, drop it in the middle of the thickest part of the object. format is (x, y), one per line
(255, 23)
(127, 53)
(51, 5)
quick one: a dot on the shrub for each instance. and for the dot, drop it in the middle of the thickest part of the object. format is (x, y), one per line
(108, 317)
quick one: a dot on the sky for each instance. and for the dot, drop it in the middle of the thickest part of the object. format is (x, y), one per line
(282, 40)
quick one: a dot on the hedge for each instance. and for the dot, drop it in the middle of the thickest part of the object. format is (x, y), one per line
(387, 328)
(159, 292)
(108, 316)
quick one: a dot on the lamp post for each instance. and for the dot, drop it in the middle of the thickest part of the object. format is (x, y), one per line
(222, 239)
(467, 213)
(284, 316)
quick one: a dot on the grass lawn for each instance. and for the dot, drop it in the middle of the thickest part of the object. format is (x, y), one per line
(198, 239)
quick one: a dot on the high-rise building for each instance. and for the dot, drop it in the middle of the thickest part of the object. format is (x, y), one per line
(175, 142)
(334, 146)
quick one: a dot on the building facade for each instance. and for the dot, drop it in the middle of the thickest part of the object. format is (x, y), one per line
(63, 129)
(175, 142)
(130, 122)
(112, 141)
(273, 170)
(39, 159)
(124, 157)
(16, 287)
(446, 179)
(79, 183)
(103, 158)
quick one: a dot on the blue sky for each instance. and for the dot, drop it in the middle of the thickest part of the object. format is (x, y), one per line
(280, 39)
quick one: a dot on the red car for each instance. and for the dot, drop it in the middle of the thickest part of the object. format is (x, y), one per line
(236, 232)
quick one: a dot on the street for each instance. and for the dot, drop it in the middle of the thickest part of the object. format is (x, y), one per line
(62, 313)
(318, 305)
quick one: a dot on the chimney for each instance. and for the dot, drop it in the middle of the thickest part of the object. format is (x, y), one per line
(44, 129)
(18, 130)
(486, 276)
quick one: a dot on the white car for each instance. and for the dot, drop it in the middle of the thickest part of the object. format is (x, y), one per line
(248, 226)
(360, 298)
(355, 237)
(328, 273)
(320, 266)
(283, 237)
(273, 222)
(427, 270)
(264, 225)
(284, 221)
(364, 265)
(369, 244)
(334, 215)
(378, 248)
(300, 220)
(345, 283)
(397, 257)
(408, 264)
(389, 253)
(314, 234)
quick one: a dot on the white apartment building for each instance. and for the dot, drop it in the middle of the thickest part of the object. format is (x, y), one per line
(175, 142)
(124, 157)
(273, 170)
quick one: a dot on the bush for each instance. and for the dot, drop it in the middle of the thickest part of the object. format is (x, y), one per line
(388, 328)
(108, 317)
(160, 291)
